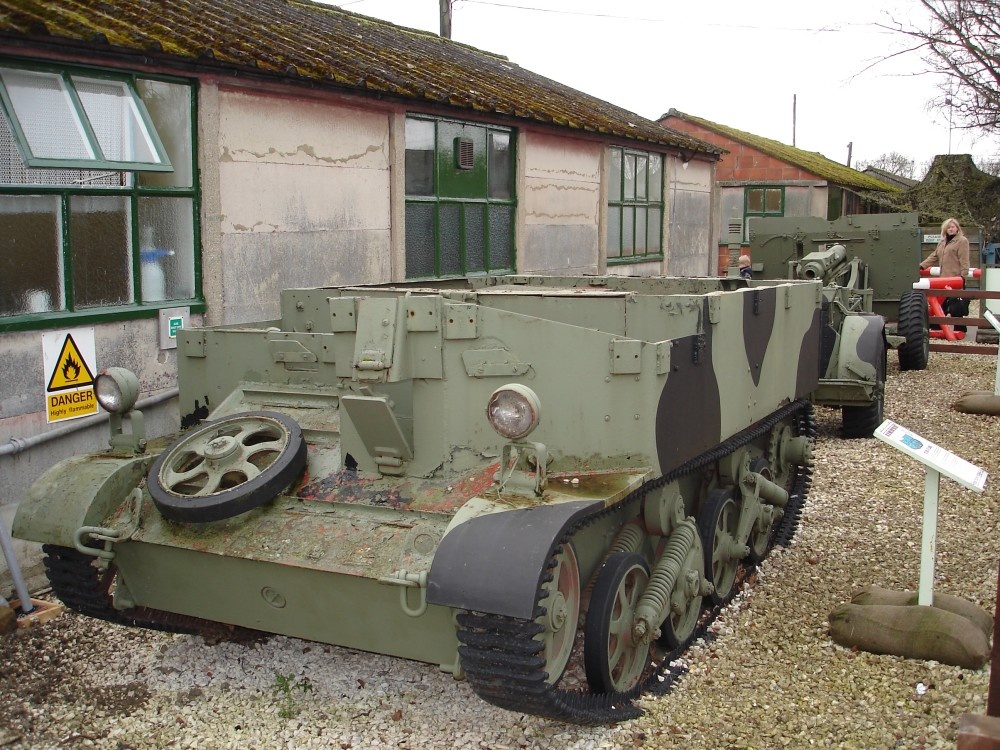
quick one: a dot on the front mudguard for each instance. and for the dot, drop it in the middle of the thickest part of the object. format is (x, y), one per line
(494, 563)
(80, 491)
(856, 369)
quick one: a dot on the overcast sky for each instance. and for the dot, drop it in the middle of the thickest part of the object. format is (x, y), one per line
(734, 62)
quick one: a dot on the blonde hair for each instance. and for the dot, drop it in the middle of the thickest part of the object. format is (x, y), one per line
(944, 227)
(744, 260)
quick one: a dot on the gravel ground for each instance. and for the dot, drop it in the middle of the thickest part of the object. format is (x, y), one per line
(771, 679)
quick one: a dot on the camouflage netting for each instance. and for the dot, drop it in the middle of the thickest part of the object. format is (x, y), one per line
(954, 187)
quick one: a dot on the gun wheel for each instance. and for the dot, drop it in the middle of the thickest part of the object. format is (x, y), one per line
(912, 325)
(862, 421)
(718, 522)
(614, 660)
(227, 467)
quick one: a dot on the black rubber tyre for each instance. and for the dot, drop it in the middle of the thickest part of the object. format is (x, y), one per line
(613, 663)
(912, 325)
(862, 421)
(717, 525)
(227, 467)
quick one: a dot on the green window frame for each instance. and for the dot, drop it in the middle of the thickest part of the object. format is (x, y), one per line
(460, 199)
(635, 206)
(763, 200)
(98, 193)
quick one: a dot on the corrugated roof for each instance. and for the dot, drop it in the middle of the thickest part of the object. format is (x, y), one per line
(810, 161)
(306, 42)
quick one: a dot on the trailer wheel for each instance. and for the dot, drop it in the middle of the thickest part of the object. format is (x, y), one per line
(913, 327)
(227, 467)
(862, 421)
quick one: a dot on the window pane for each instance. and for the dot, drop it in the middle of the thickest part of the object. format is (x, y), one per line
(450, 238)
(628, 230)
(755, 200)
(654, 226)
(475, 237)
(500, 166)
(640, 230)
(629, 177)
(419, 239)
(501, 238)
(169, 107)
(772, 202)
(640, 178)
(31, 269)
(614, 232)
(100, 235)
(120, 130)
(615, 175)
(166, 248)
(419, 165)
(655, 177)
(46, 113)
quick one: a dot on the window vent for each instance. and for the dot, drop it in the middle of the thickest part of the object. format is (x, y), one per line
(463, 153)
(734, 231)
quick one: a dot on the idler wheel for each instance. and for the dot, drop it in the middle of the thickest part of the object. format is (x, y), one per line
(562, 612)
(227, 467)
(612, 655)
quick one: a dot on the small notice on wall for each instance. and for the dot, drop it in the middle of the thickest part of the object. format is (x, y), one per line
(70, 362)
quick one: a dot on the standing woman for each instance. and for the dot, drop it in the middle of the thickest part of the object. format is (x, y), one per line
(952, 254)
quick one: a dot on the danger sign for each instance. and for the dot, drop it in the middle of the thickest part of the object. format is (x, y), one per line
(70, 363)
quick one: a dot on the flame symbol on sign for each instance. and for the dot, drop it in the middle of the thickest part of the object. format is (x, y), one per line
(71, 368)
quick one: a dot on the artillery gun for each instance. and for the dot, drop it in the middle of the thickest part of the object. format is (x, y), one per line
(880, 253)
(522, 480)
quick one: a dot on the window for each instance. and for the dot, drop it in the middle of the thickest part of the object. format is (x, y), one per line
(635, 206)
(764, 201)
(97, 195)
(459, 198)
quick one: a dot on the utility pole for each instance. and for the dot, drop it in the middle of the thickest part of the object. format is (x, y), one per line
(446, 18)
(794, 103)
(850, 148)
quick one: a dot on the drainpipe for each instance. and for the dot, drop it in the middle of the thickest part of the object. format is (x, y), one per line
(15, 445)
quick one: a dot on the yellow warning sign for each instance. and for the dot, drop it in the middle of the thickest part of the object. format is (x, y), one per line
(71, 369)
(70, 404)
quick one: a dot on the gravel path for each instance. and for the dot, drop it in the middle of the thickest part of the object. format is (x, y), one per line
(772, 677)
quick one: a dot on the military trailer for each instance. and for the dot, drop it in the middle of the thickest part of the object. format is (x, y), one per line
(547, 486)
(877, 262)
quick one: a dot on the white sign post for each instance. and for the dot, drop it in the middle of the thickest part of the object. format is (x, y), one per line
(938, 461)
(996, 325)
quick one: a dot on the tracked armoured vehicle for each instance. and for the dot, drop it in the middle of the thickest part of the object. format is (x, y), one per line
(549, 486)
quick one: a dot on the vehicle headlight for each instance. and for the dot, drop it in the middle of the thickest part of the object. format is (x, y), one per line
(117, 389)
(513, 411)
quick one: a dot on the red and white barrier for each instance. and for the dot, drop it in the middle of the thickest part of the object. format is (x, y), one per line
(970, 273)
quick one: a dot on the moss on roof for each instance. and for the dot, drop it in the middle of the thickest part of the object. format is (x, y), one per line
(810, 161)
(310, 43)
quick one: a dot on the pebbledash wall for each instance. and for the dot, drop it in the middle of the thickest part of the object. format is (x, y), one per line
(306, 188)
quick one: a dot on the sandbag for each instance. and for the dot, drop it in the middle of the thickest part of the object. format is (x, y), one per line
(977, 615)
(913, 631)
(978, 402)
(8, 619)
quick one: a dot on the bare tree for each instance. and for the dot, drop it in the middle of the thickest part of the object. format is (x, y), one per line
(893, 162)
(961, 41)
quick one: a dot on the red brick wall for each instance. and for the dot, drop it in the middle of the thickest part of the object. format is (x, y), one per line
(742, 163)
